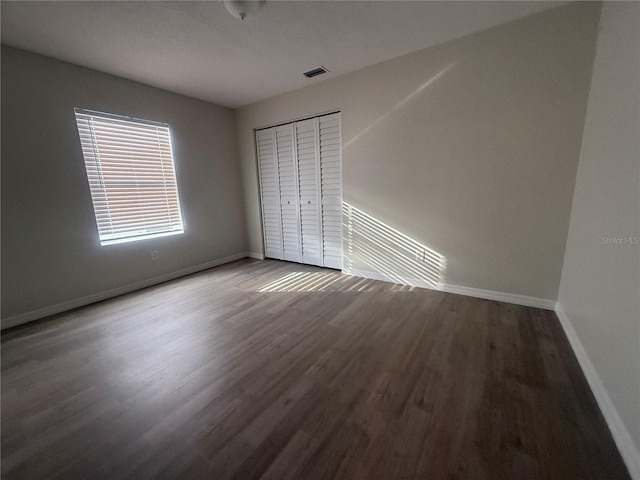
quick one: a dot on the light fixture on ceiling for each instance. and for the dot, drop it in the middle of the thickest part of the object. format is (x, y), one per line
(240, 8)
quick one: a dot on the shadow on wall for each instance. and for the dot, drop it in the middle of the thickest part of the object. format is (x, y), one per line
(402, 103)
(375, 250)
(379, 252)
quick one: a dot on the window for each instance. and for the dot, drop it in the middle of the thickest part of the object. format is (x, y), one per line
(131, 175)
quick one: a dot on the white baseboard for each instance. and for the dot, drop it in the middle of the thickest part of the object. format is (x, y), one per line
(620, 434)
(523, 300)
(32, 315)
(257, 256)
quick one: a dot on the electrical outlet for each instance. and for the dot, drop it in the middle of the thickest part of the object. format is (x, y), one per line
(155, 255)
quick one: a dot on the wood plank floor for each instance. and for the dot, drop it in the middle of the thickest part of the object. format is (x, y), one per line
(275, 370)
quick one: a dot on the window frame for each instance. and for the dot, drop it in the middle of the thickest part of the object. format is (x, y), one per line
(172, 223)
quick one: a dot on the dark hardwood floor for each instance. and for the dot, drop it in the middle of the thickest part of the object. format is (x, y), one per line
(275, 370)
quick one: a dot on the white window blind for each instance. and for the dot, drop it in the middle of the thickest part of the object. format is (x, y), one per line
(131, 175)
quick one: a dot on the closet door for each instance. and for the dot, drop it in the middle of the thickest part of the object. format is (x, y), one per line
(289, 198)
(330, 153)
(270, 190)
(301, 186)
(309, 191)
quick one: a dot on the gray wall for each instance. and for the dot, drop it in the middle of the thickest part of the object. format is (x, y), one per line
(470, 148)
(50, 248)
(600, 288)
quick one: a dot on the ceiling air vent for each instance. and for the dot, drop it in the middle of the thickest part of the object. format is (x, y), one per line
(315, 72)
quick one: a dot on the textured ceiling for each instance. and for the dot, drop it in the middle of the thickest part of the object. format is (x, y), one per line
(199, 49)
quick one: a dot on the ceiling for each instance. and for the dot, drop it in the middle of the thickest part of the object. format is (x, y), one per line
(198, 49)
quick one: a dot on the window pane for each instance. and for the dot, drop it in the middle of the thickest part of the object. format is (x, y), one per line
(131, 174)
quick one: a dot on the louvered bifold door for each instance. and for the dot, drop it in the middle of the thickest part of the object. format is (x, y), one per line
(309, 185)
(301, 186)
(331, 188)
(269, 186)
(289, 201)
